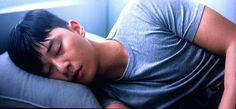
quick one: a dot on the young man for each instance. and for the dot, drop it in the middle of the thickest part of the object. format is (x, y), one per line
(161, 54)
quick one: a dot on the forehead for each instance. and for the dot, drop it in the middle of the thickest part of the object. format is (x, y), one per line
(42, 49)
(43, 46)
(53, 34)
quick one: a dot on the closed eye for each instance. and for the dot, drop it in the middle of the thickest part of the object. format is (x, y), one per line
(59, 50)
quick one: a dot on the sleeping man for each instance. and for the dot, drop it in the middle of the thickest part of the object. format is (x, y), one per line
(159, 54)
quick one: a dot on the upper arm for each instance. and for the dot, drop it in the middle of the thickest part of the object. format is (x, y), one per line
(215, 33)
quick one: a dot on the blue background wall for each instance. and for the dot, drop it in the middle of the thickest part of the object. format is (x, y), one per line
(226, 8)
(97, 16)
(114, 9)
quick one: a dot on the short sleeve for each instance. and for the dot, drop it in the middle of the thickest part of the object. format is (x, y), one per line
(180, 17)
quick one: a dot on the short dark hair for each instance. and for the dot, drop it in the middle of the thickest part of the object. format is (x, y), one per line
(27, 35)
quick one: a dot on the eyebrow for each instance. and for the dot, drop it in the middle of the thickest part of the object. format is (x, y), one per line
(50, 45)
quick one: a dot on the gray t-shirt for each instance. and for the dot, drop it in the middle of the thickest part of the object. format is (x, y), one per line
(165, 68)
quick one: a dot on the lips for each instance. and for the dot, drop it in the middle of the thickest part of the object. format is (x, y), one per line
(77, 73)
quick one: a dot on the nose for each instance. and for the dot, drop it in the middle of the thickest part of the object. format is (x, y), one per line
(61, 66)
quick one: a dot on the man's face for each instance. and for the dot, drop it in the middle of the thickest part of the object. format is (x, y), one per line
(67, 55)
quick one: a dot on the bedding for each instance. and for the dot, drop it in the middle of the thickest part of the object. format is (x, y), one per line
(22, 89)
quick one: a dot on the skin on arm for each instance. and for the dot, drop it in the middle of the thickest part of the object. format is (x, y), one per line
(116, 106)
(218, 35)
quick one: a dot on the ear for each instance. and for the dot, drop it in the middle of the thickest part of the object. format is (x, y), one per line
(76, 27)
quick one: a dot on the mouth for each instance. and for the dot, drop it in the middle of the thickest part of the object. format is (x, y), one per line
(77, 73)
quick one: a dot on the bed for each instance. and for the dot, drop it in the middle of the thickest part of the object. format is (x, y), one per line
(21, 89)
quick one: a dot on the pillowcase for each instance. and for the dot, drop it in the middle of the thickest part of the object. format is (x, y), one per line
(21, 89)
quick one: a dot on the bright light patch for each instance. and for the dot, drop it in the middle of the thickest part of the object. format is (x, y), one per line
(41, 5)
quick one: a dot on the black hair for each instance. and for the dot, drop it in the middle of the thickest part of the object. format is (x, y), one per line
(27, 35)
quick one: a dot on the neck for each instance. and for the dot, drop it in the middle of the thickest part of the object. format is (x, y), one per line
(112, 59)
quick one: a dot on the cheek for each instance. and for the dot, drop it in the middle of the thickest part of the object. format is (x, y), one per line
(79, 51)
(71, 47)
(75, 46)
